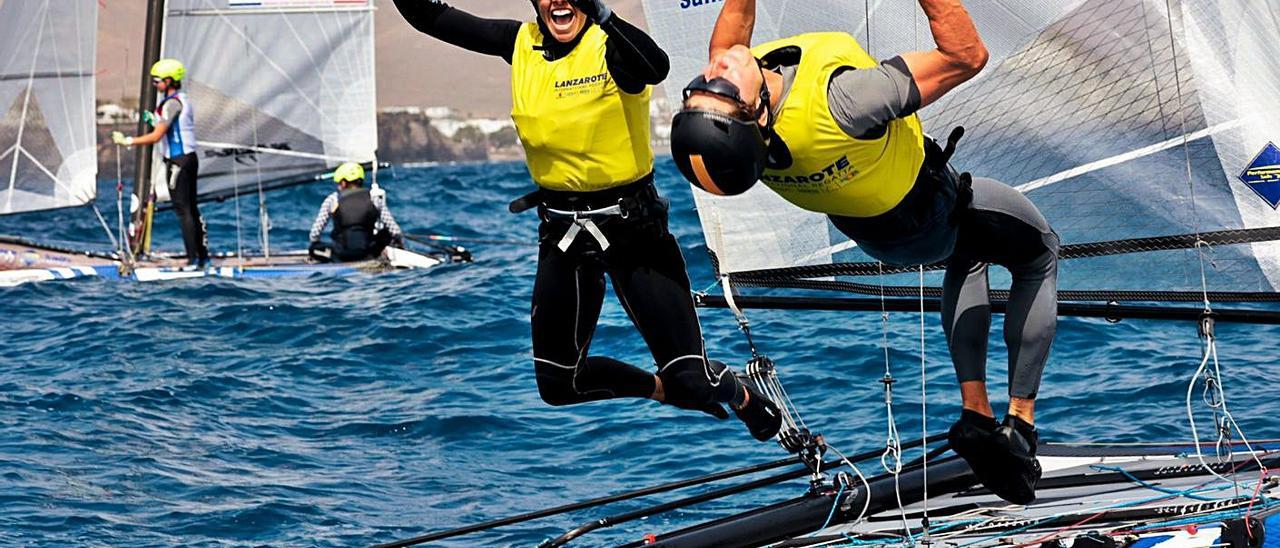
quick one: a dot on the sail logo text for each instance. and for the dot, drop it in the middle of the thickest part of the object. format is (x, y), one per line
(245, 156)
(686, 4)
(1262, 175)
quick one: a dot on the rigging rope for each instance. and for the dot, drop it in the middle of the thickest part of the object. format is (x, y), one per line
(924, 413)
(235, 190)
(794, 436)
(891, 458)
(1186, 153)
(105, 227)
(866, 485)
(1215, 396)
(264, 218)
(126, 250)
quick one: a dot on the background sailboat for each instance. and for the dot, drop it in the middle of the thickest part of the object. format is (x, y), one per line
(284, 91)
(47, 142)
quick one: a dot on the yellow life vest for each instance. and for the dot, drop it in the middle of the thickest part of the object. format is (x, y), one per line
(832, 172)
(579, 131)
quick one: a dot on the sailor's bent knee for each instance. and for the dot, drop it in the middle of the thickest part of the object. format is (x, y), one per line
(555, 384)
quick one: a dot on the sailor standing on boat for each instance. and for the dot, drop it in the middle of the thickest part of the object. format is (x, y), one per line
(174, 125)
(833, 131)
(362, 225)
(580, 79)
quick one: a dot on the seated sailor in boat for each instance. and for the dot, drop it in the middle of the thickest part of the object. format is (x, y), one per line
(581, 82)
(174, 127)
(362, 224)
(831, 130)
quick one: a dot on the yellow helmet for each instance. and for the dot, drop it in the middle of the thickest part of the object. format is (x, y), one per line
(169, 68)
(349, 171)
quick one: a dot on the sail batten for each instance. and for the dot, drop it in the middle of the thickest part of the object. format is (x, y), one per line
(1120, 119)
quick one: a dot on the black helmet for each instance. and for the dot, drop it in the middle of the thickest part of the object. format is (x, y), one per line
(720, 153)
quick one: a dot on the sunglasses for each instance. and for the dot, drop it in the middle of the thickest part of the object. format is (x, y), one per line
(157, 80)
(721, 87)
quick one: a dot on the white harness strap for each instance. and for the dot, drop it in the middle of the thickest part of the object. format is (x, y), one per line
(583, 220)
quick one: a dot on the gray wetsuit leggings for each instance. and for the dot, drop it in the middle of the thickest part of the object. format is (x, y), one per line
(1001, 226)
(998, 226)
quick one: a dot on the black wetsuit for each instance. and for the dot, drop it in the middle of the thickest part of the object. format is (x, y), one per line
(643, 258)
(182, 173)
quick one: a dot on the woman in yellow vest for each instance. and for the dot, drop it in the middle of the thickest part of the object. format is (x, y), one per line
(829, 129)
(580, 88)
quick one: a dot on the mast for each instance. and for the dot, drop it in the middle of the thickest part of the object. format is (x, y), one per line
(140, 223)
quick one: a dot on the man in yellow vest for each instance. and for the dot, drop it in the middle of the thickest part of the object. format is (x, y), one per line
(581, 80)
(832, 130)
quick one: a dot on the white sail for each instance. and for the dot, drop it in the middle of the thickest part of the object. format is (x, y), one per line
(48, 149)
(1106, 113)
(283, 89)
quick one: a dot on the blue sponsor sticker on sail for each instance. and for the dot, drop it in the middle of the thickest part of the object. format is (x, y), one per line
(1263, 174)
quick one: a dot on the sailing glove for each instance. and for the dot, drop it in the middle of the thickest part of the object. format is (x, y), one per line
(595, 9)
(119, 139)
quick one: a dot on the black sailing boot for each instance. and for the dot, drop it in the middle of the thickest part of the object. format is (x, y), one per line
(760, 414)
(1017, 438)
(973, 438)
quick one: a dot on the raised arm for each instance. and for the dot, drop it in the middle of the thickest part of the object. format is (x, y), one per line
(960, 54)
(495, 37)
(634, 59)
(734, 26)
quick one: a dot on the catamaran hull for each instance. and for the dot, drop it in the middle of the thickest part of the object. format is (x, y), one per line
(24, 263)
(1094, 496)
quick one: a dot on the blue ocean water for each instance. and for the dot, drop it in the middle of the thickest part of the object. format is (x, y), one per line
(348, 411)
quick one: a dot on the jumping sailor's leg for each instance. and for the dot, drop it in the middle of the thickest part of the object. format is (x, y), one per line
(649, 277)
(1030, 324)
(1028, 248)
(966, 321)
(1029, 328)
(567, 296)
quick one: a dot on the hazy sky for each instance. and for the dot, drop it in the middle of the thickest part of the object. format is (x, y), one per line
(413, 68)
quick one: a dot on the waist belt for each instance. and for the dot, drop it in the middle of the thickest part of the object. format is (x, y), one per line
(584, 220)
(582, 211)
